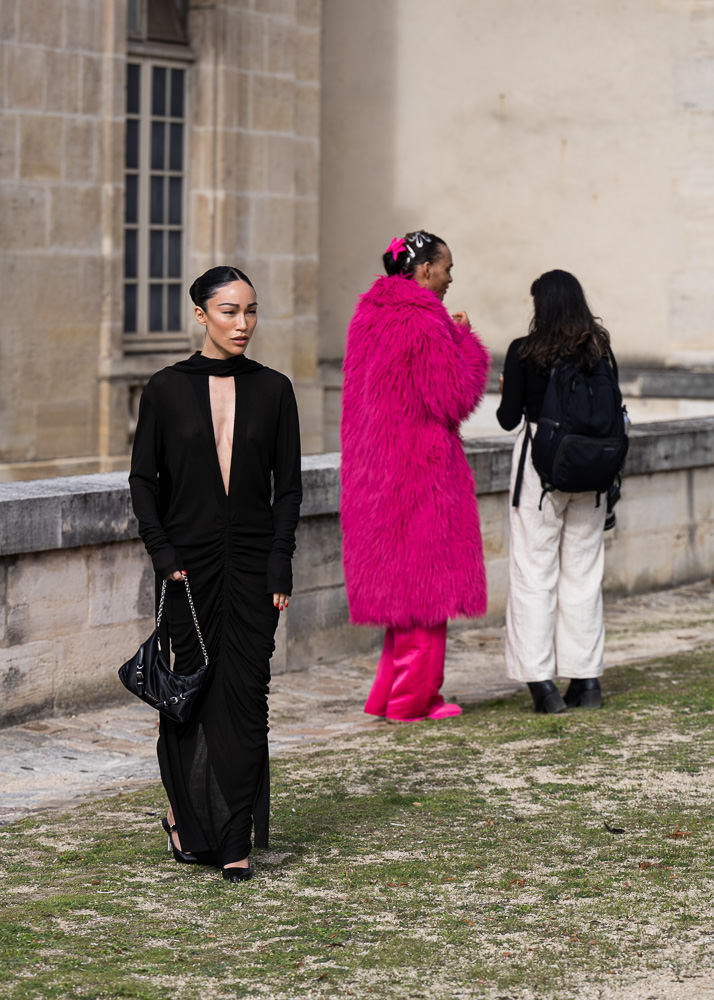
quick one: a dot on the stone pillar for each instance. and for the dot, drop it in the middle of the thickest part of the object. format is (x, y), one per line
(60, 255)
(254, 163)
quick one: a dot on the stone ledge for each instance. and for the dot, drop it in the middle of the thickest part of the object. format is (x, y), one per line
(71, 511)
(642, 381)
(66, 512)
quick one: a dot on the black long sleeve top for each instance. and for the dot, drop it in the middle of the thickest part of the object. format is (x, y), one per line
(185, 516)
(524, 386)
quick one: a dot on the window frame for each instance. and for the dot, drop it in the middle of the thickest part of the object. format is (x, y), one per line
(138, 21)
(142, 339)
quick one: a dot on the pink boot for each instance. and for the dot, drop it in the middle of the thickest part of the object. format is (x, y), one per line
(446, 710)
(376, 703)
(409, 675)
(438, 708)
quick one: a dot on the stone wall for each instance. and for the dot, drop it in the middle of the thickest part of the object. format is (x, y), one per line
(68, 381)
(61, 130)
(530, 136)
(76, 587)
(255, 173)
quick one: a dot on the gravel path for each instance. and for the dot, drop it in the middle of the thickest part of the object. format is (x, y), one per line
(56, 762)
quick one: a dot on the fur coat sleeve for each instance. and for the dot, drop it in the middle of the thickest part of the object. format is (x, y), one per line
(446, 366)
(411, 539)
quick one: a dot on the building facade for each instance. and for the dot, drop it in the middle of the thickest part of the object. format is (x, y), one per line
(142, 141)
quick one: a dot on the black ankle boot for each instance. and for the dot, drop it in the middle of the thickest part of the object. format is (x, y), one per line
(584, 693)
(546, 697)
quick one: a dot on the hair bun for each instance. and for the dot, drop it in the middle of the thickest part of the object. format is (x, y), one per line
(405, 253)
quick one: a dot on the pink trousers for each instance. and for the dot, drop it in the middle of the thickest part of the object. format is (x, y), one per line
(409, 675)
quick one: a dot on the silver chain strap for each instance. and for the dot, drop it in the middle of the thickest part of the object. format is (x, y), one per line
(193, 613)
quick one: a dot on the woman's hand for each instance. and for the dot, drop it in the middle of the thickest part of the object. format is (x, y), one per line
(177, 575)
(280, 601)
(461, 318)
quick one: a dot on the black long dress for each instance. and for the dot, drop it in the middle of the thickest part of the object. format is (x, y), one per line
(237, 550)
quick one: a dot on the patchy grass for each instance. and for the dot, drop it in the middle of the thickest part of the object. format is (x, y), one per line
(499, 855)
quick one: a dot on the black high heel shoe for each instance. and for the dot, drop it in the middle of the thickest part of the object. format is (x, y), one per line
(546, 697)
(584, 693)
(181, 857)
(237, 874)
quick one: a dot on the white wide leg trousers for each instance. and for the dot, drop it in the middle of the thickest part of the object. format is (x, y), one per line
(554, 620)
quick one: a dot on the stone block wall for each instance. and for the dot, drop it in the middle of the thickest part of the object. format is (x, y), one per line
(77, 589)
(67, 614)
(68, 387)
(255, 169)
(60, 201)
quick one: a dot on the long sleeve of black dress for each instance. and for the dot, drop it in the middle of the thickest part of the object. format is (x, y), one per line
(146, 490)
(287, 495)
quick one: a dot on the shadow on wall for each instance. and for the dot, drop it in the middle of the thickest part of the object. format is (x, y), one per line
(357, 178)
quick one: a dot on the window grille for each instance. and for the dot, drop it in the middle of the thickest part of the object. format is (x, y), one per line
(154, 208)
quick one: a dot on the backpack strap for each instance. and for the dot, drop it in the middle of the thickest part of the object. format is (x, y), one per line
(521, 464)
(613, 363)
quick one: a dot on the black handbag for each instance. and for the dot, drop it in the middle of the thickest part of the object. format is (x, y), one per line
(149, 676)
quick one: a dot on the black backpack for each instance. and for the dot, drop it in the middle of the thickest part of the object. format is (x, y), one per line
(581, 440)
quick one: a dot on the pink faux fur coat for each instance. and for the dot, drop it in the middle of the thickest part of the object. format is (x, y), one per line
(411, 538)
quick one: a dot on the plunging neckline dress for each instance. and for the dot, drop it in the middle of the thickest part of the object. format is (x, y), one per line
(236, 547)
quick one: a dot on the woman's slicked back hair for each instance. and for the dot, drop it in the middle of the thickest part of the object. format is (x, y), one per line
(206, 286)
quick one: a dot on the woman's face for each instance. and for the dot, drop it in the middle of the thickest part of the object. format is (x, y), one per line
(229, 318)
(436, 275)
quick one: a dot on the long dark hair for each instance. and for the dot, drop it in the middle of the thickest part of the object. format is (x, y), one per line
(410, 251)
(563, 327)
(206, 286)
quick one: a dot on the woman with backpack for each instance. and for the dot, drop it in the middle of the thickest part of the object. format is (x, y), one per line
(554, 615)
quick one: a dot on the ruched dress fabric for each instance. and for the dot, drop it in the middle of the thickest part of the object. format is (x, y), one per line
(236, 548)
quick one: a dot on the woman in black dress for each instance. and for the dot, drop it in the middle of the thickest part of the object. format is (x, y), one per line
(215, 484)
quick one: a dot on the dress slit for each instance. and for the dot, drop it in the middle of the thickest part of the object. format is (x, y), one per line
(225, 478)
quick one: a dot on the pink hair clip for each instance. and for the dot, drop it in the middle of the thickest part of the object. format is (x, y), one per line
(396, 246)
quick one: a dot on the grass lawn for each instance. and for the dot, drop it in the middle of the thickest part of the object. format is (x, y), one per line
(499, 855)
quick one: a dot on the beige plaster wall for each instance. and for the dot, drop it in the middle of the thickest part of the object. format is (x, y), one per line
(530, 136)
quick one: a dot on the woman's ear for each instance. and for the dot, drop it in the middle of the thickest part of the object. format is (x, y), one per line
(421, 274)
(200, 315)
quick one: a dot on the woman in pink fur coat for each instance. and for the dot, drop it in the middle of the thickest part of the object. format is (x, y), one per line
(412, 547)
